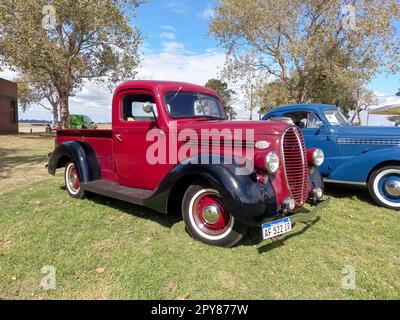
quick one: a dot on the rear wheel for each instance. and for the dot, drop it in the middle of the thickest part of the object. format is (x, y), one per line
(72, 183)
(207, 219)
(384, 187)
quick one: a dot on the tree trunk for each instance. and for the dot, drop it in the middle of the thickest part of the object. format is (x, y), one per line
(55, 114)
(64, 110)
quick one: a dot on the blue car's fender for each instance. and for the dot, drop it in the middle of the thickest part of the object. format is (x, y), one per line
(358, 168)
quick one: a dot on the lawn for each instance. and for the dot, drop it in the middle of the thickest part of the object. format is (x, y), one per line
(103, 248)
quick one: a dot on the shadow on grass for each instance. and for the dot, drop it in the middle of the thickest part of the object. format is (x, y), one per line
(8, 163)
(165, 220)
(348, 191)
(279, 242)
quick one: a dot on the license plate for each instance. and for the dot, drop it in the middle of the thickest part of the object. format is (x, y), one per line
(276, 228)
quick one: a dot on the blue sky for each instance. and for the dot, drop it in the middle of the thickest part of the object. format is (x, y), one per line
(176, 47)
(184, 20)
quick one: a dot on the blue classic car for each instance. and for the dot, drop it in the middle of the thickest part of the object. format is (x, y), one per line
(353, 155)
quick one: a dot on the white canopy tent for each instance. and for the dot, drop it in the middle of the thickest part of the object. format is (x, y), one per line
(389, 110)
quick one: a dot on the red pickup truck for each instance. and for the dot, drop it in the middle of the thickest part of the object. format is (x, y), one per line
(171, 149)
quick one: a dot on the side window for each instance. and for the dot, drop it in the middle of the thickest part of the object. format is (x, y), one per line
(132, 107)
(305, 120)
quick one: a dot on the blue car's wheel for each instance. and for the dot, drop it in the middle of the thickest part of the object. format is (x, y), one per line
(384, 187)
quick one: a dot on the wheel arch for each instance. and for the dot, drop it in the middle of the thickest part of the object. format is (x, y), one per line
(83, 156)
(381, 165)
(245, 198)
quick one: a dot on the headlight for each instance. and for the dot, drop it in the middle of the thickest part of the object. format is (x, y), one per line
(318, 157)
(272, 162)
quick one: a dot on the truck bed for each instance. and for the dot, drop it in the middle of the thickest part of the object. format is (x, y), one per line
(100, 140)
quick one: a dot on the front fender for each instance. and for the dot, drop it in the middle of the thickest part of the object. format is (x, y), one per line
(245, 198)
(83, 156)
(357, 168)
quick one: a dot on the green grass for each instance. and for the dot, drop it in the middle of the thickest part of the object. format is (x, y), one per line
(146, 255)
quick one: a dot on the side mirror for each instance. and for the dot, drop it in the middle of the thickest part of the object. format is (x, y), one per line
(148, 107)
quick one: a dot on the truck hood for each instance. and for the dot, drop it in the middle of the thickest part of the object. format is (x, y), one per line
(261, 128)
(370, 132)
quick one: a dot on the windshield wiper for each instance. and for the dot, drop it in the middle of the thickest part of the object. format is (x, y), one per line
(176, 93)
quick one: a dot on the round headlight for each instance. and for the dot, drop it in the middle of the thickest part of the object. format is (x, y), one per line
(272, 162)
(318, 157)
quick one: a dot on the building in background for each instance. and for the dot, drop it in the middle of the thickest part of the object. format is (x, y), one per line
(8, 107)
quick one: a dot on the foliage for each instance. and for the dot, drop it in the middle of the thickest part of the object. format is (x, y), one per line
(305, 45)
(33, 89)
(77, 41)
(226, 94)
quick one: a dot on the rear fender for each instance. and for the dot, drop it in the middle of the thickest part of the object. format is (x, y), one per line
(358, 169)
(83, 156)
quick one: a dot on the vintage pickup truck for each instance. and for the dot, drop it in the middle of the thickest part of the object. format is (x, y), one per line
(171, 149)
(353, 154)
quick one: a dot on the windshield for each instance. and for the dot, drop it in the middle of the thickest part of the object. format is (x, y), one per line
(336, 117)
(193, 105)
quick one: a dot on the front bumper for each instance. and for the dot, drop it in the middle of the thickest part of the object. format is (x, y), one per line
(305, 215)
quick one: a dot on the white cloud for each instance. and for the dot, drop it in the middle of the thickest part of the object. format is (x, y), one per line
(206, 14)
(7, 74)
(167, 35)
(176, 6)
(168, 28)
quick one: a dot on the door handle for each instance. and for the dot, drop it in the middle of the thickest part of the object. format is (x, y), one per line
(118, 137)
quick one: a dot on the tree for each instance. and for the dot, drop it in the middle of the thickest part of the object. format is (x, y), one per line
(32, 91)
(364, 99)
(70, 42)
(304, 43)
(395, 120)
(273, 94)
(227, 95)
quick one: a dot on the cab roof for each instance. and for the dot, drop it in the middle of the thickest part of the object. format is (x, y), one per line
(305, 106)
(163, 86)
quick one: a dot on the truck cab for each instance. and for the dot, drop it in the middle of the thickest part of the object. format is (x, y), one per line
(359, 155)
(171, 149)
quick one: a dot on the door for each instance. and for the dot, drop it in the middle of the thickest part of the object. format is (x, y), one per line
(316, 135)
(130, 127)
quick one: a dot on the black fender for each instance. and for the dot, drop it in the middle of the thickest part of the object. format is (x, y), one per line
(83, 156)
(245, 198)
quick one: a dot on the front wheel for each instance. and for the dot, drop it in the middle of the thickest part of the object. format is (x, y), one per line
(384, 187)
(72, 183)
(207, 219)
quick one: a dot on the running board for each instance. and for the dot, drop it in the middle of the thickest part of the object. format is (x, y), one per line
(115, 190)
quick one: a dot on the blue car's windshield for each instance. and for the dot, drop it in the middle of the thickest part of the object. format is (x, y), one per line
(336, 118)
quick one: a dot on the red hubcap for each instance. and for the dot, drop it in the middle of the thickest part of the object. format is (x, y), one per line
(210, 214)
(75, 178)
(72, 178)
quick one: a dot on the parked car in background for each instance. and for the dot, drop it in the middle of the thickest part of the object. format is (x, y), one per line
(216, 201)
(353, 154)
(80, 121)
